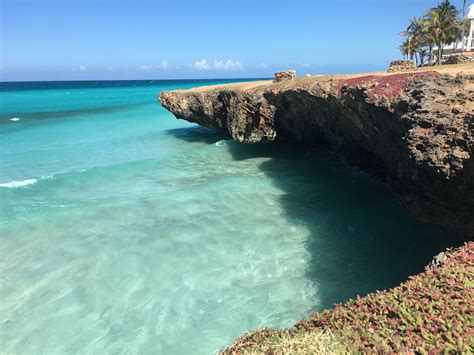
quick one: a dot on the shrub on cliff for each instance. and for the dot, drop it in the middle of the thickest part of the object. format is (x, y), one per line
(430, 312)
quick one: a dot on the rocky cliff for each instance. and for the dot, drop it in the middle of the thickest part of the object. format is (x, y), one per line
(413, 129)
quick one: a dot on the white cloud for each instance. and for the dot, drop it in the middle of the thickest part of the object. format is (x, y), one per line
(79, 68)
(229, 65)
(163, 64)
(262, 66)
(203, 64)
(303, 65)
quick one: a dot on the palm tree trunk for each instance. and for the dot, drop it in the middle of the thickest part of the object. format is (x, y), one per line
(463, 25)
(439, 53)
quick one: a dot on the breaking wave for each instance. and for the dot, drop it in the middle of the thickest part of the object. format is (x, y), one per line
(19, 183)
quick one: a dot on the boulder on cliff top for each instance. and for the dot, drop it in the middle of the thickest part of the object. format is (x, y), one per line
(460, 58)
(284, 75)
(401, 65)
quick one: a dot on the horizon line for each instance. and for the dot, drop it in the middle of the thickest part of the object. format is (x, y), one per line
(87, 80)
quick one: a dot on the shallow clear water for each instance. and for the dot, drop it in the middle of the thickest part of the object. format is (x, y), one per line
(125, 230)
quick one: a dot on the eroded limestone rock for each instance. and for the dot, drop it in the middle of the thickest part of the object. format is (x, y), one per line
(284, 75)
(401, 65)
(414, 129)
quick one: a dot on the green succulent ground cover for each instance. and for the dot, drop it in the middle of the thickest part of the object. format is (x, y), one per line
(432, 312)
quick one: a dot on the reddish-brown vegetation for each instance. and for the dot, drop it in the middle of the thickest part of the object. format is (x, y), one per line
(432, 311)
(388, 86)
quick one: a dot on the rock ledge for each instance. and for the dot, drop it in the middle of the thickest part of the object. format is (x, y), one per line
(414, 129)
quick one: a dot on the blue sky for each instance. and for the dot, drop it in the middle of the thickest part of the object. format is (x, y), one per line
(155, 39)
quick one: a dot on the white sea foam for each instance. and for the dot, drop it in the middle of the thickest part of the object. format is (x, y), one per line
(19, 183)
(220, 143)
(15, 119)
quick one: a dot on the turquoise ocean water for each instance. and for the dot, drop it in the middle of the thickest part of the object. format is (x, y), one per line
(125, 230)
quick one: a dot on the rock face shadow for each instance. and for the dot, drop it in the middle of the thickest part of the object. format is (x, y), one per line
(360, 239)
(198, 134)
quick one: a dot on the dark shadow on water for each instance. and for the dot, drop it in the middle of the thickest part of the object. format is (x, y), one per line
(360, 239)
(198, 134)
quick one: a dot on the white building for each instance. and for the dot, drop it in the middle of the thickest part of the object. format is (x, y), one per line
(464, 45)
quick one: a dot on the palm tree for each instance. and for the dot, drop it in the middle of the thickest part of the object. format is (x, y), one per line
(463, 24)
(455, 33)
(416, 38)
(443, 24)
(405, 48)
(422, 53)
(440, 26)
(430, 41)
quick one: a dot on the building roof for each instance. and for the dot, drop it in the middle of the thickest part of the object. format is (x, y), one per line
(470, 12)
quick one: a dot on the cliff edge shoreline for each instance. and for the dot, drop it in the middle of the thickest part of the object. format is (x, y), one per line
(414, 129)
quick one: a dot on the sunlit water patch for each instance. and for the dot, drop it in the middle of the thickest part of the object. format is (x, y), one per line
(124, 230)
